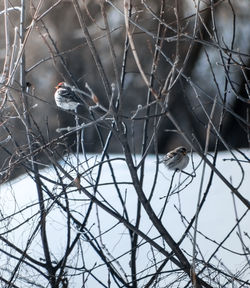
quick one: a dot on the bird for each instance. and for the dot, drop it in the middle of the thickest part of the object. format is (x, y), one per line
(176, 159)
(65, 97)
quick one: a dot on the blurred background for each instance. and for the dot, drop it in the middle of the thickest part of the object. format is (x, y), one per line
(201, 70)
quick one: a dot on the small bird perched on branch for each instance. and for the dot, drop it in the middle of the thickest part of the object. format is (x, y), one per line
(65, 97)
(68, 97)
(176, 159)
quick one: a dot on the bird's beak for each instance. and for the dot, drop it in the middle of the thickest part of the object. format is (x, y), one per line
(56, 87)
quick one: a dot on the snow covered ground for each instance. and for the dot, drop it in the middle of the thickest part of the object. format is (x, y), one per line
(216, 219)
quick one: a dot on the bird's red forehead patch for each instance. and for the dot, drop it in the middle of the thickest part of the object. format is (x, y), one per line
(59, 85)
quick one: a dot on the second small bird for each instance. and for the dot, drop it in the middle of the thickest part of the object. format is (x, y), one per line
(176, 159)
